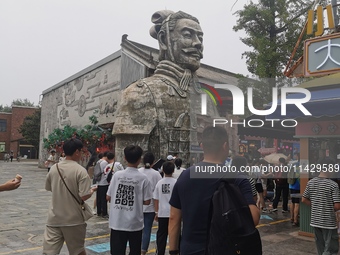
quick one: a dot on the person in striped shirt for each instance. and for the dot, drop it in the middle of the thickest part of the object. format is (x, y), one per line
(323, 195)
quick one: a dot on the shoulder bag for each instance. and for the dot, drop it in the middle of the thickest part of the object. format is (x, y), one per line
(86, 210)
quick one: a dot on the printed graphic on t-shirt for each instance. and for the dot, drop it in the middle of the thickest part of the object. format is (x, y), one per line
(166, 188)
(125, 195)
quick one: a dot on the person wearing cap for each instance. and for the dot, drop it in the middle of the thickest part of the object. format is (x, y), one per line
(168, 158)
(52, 159)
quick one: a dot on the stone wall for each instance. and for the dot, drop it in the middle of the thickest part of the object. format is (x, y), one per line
(74, 101)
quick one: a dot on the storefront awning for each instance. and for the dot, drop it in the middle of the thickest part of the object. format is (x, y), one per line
(324, 102)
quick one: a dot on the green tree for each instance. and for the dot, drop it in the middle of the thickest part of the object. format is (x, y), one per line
(30, 128)
(272, 28)
(91, 135)
(18, 102)
(22, 102)
(5, 108)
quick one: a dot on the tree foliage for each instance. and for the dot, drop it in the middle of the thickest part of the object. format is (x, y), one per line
(5, 108)
(22, 102)
(91, 135)
(272, 28)
(17, 102)
(30, 128)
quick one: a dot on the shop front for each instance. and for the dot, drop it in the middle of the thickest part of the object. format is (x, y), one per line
(319, 133)
(319, 138)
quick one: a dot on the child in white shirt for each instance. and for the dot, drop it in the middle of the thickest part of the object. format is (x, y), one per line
(161, 196)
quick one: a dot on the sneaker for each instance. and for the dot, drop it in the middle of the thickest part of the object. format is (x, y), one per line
(94, 212)
(105, 217)
(264, 210)
(284, 211)
(274, 210)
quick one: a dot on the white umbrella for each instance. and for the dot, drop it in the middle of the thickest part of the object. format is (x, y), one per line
(274, 158)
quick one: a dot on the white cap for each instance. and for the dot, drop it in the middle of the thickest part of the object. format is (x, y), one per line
(169, 157)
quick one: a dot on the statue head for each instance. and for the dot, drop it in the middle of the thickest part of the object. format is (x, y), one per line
(180, 38)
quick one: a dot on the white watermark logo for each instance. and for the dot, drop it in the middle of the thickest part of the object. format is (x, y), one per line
(239, 100)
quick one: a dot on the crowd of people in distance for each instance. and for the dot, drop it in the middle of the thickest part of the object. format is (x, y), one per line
(138, 195)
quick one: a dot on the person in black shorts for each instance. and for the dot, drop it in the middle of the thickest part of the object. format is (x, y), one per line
(294, 194)
(259, 186)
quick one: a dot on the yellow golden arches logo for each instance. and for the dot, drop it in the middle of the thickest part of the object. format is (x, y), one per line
(319, 20)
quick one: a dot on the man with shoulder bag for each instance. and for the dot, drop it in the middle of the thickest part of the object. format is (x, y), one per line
(70, 186)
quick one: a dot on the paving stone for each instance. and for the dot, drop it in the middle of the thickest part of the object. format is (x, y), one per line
(24, 212)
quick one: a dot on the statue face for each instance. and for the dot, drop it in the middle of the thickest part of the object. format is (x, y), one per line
(187, 47)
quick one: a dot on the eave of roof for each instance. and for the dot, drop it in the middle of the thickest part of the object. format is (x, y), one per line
(150, 55)
(321, 82)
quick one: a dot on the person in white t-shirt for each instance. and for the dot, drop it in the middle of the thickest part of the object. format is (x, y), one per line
(52, 159)
(178, 169)
(103, 185)
(129, 190)
(62, 156)
(149, 210)
(161, 196)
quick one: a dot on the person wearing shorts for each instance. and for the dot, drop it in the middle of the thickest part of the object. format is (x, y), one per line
(65, 222)
(295, 196)
(260, 203)
(294, 206)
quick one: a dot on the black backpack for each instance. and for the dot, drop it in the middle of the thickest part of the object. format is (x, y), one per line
(231, 229)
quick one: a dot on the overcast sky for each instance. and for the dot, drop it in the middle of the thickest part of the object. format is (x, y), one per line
(45, 41)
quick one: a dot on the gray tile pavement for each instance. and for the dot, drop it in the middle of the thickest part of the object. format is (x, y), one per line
(23, 215)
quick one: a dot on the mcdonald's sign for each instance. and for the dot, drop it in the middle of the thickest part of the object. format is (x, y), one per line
(320, 26)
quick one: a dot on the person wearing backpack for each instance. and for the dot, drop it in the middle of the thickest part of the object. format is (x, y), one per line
(192, 197)
(112, 168)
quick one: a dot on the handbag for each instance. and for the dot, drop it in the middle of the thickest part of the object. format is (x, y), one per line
(86, 210)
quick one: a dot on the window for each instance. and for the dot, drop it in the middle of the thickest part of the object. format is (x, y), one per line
(3, 125)
(2, 146)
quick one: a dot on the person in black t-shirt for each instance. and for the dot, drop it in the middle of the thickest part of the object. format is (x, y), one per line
(190, 200)
(281, 186)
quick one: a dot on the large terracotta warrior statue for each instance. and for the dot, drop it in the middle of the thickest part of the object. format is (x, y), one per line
(159, 113)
